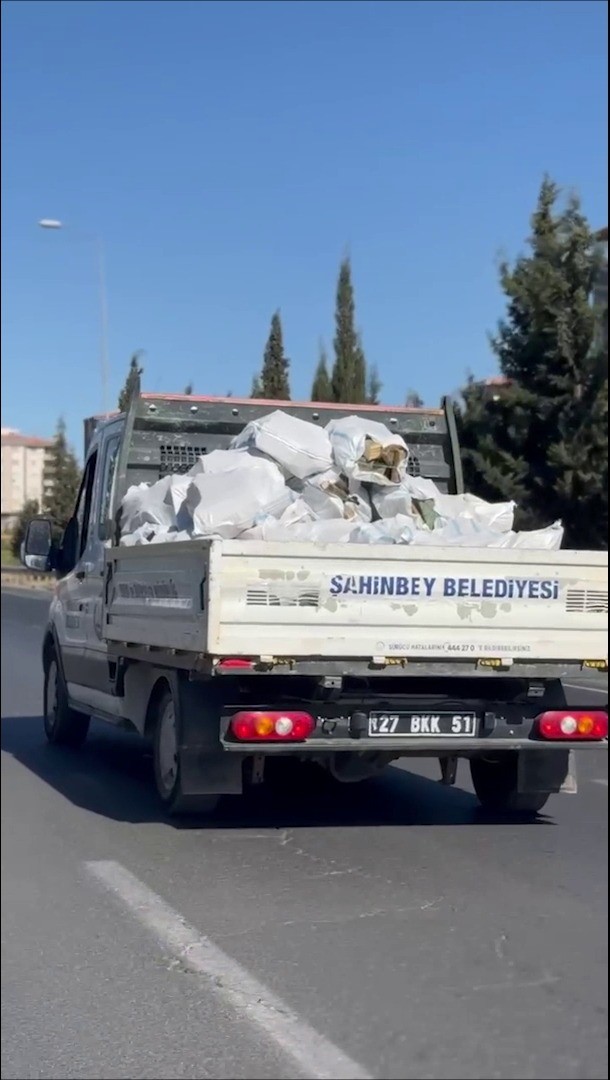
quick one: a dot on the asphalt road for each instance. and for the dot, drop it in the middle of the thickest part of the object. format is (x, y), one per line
(392, 932)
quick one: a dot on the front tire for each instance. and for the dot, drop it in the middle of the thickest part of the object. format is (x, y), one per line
(166, 759)
(63, 726)
(495, 781)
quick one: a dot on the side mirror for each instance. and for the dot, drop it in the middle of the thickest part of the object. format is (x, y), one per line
(37, 547)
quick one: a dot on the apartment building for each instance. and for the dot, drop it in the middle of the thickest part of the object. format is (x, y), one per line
(23, 466)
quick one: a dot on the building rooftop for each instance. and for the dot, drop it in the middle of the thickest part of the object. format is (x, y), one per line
(10, 437)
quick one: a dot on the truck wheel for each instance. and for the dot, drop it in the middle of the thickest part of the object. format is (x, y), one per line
(63, 726)
(167, 766)
(495, 783)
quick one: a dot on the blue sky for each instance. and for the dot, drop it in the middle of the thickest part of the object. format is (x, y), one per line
(229, 154)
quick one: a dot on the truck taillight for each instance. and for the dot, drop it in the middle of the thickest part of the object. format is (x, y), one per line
(272, 726)
(576, 724)
(235, 663)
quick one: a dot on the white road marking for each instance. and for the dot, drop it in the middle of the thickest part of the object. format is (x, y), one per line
(591, 689)
(314, 1055)
(601, 781)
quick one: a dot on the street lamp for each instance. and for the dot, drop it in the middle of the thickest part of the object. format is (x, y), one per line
(96, 240)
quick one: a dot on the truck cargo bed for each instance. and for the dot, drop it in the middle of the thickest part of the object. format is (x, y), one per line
(251, 599)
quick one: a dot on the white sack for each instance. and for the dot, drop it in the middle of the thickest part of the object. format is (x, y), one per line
(326, 505)
(414, 492)
(367, 450)
(225, 505)
(222, 461)
(151, 534)
(333, 531)
(549, 539)
(398, 530)
(142, 535)
(176, 536)
(459, 532)
(299, 447)
(331, 496)
(175, 497)
(146, 504)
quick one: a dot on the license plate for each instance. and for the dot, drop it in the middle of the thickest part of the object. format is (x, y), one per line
(443, 725)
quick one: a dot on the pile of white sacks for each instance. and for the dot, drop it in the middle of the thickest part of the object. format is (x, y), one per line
(284, 479)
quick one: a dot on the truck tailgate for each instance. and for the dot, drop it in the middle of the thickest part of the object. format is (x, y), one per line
(235, 598)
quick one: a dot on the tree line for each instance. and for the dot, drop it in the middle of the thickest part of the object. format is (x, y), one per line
(542, 440)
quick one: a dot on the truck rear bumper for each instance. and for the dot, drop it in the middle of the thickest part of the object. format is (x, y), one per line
(410, 747)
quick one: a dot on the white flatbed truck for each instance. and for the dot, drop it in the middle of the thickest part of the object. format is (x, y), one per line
(224, 653)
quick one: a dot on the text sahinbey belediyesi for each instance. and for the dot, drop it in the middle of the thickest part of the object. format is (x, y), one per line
(450, 587)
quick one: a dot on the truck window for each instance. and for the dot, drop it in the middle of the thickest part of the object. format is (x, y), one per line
(110, 460)
(83, 504)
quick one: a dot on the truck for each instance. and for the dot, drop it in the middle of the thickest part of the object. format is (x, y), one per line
(235, 657)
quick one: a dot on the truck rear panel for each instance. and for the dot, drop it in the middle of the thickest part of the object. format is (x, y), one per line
(254, 599)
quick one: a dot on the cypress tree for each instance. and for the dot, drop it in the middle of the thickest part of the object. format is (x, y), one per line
(133, 375)
(349, 370)
(274, 378)
(61, 479)
(321, 389)
(374, 387)
(413, 400)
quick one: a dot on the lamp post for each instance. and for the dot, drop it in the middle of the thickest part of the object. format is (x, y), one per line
(96, 240)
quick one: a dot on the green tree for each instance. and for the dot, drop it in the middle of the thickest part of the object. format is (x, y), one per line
(360, 389)
(543, 441)
(257, 387)
(413, 400)
(349, 370)
(30, 510)
(133, 375)
(273, 381)
(321, 389)
(374, 387)
(61, 479)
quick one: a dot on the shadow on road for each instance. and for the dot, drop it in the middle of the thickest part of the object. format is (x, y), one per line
(112, 776)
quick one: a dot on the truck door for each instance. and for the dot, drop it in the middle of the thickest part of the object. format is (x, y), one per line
(85, 662)
(70, 605)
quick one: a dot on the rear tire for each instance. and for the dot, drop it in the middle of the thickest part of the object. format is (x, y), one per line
(63, 726)
(166, 761)
(495, 783)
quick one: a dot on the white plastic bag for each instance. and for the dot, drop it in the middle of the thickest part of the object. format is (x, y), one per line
(368, 450)
(299, 447)
(225, 505)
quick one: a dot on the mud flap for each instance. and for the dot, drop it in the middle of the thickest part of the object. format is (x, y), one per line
(543, 771)
(203, 773)
(570, 784)
(205, 768)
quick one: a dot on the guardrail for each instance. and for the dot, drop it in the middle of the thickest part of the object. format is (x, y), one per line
(22, 578)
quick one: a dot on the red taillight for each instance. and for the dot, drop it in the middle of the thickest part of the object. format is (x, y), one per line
(272, 726)
(576, 724)
(235, 663)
